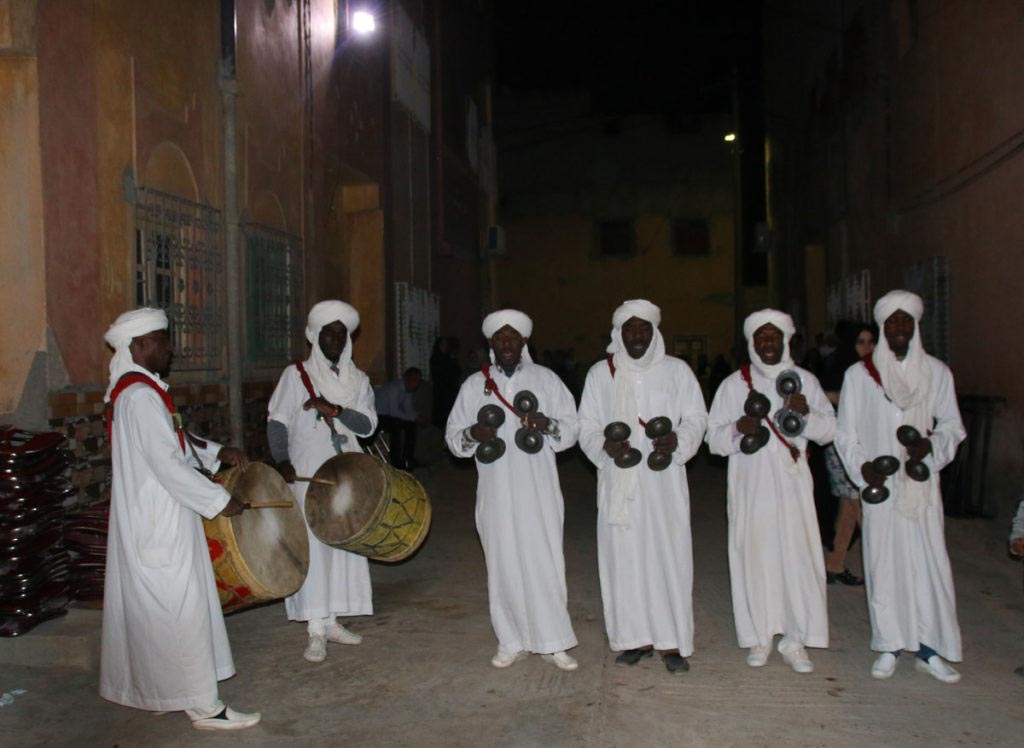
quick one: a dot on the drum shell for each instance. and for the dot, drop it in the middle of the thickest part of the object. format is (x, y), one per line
(373, 509)
(260, 554)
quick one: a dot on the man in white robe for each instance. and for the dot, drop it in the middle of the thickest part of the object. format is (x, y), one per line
(644, 547)
(306, 428)
(164, 645)
(776, 563)
(909, 580)
(519, 507)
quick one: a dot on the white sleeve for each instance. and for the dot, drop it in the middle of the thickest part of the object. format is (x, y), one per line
(847, 443)
(723, 438)
(821, 418)
(592, 421)
(949, 428)
(694, 421)
(462, 417)
(562, 408)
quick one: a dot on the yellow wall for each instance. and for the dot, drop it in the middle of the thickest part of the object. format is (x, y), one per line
(553, 274)
(23, 274)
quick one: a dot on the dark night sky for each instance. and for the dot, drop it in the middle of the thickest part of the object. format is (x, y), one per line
(640, 56)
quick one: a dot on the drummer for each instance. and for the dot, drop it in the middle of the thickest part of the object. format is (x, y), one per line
(318, 409)
(520, 510)
(164, 642)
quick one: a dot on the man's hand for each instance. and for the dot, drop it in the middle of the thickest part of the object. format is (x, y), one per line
(920, 449)
(234, 507)
(748, 425)
(483, 433)
(1017, 547)
(798, 403)
(321, 406)
(666, 444)
(536, 422)
(287, 471)
(872, 476)
(233, 456)
(616, 449)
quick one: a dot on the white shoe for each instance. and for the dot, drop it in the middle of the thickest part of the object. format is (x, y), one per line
(796, 657)
(561, 660)
(884, 666)
(316, 649)
(340, 635)
(938, 669)
(229, 719)
(502, 660)
(758, 656)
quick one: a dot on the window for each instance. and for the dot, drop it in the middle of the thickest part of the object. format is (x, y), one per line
(272, 284)
(615, 238)
(179, 267)
(691, 237)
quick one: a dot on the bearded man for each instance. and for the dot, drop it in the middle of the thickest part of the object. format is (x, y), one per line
(318, 409)
(776, 563)
(644, 548)
(164, 644)
(909, 581)
(519, 506)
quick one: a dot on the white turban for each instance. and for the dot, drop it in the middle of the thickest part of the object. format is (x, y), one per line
(908, 384)
(625, 483)
(342, 387)
(119, 336)
(514, 319)
(784, 323)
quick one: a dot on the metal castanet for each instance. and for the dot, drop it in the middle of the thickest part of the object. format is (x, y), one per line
(874, 494)
(655, 429)
(787, 420)
(751, 443)
(908, 436)
(368, 507)
(886, 465)
(493, 416)
(756, 405)
(618, 431)
(531, 442)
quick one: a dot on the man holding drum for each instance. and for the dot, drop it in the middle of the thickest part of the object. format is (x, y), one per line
(761, 418)
(318, 409)
(519, 508)
(909, 581)
(643, 524)
(164, 642)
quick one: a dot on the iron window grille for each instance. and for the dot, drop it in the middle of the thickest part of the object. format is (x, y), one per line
(273, 279)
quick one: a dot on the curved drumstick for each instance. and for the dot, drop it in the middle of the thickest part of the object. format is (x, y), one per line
(269, 504)
(316, 480)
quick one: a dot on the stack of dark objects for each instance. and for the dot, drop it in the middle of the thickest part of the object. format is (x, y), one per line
(85, 536)
(34, 565)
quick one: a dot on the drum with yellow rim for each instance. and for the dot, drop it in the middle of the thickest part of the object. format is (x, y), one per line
(361, 504)
(260, 554)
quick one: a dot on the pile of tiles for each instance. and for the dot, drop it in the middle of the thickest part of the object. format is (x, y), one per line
(34, 565)
(85, 536)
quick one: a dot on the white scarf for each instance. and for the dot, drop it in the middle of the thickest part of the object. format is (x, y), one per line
(513, 318)
(625, 482)
(784, 323)
(908, 385)
(119, 336)
(340, 388)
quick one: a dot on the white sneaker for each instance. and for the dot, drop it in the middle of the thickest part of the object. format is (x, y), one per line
(884, 666)
(316, 649)
(340, 635)
(758, 656)
(796, 657)
(561, 660)
(938, 669)
(502, 660)
(229, 719)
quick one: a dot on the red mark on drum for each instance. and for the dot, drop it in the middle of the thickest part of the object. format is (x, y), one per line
(216, 549)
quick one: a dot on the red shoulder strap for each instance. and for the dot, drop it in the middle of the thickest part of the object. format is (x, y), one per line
(870, 366)
(611, 365)
(134, 377)
(745, 373)
(306, 381)
(491, 386)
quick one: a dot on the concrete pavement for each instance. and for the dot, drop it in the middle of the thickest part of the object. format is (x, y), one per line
(423, 677)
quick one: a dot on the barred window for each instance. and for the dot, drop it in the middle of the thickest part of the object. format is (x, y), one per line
(179, 267)
(272, 282)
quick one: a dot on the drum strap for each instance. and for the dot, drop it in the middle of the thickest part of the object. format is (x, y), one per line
(793, 451)
(870, 366)
(136, 378)
(336, 439)
(611, 368)
(491, 386)
(306, 381)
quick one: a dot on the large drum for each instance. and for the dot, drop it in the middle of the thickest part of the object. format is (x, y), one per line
(361, 504)
(260, 554)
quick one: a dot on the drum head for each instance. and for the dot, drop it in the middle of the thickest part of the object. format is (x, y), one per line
(272, 542)
(338, 509)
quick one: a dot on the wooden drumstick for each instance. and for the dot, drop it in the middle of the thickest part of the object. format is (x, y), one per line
(324, 481)
(270, 504)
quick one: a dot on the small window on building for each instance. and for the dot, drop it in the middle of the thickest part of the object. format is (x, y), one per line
(691, 237)
(272, 287)
(615, 238)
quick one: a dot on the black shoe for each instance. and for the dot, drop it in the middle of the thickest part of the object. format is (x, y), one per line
(845, 576)
(675, 662)
(633, 656)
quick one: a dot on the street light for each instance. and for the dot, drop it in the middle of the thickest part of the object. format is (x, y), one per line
(363, 22)
(730, 137)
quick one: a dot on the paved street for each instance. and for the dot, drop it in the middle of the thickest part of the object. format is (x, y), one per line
(423, 677)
